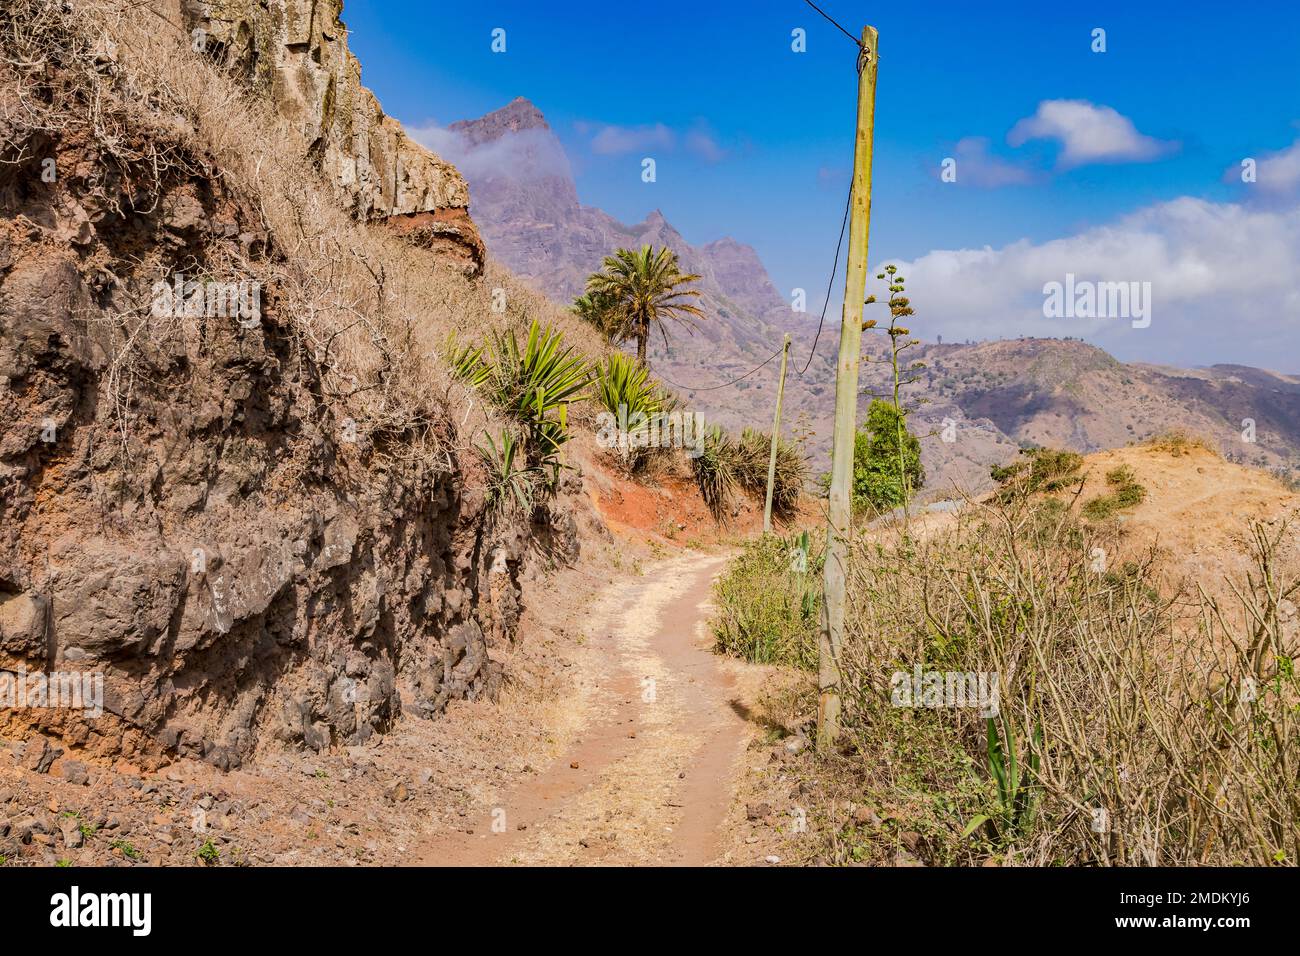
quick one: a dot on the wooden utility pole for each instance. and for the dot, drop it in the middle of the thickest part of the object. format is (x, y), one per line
(846, 405)
(776, 437)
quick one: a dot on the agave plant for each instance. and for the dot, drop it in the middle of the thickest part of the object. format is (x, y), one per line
(624, 389)
(541, 378)
(753, 456)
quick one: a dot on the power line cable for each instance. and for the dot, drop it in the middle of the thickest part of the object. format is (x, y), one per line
(832, 21)
(830, 283)
(835, 268)
(710, 388)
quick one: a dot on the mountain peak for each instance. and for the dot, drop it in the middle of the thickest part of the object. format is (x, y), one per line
(516, 116)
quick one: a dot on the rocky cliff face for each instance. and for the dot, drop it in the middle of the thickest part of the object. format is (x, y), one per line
(185, 510)
(296, 53)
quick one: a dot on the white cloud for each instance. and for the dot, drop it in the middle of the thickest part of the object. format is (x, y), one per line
(1088, 134)
(1225, 281)
(607, 139)
(610, 140)
(976, 166)
(525, 155)
(701, 141)
(1277, 172)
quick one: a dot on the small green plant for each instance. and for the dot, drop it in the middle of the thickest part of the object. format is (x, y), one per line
(624, 390)
(209, 854)
(906, 475)
(534, 382)
(64, 862)
(769, 602)
(1017, 792)
(512, 483)
(1040, 470)
(1127, 493)
(538, 379)
(878, 483)
(753, 455)
(466, 362)
(125, 848)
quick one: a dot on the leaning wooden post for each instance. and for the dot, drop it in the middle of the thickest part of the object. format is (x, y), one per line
(776, 437)
(846, 406)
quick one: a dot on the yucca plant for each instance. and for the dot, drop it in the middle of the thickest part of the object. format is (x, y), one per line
(753, 457)
(466, 362)
(539, 379)
(534, 382)
(622, 381)
(715, 471)
(511, 481)
(624, 389)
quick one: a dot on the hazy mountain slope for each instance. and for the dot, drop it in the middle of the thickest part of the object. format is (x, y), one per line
(998, 394)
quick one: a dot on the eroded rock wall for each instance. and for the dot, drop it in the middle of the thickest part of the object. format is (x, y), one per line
(296, 53)
(182, 511)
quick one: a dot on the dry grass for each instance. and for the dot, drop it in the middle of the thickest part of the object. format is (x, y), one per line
(1168, 718)
(362, 307)
(1179, 443)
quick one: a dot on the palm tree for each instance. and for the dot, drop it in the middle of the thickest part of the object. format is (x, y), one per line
(601, 311)
(642, 290)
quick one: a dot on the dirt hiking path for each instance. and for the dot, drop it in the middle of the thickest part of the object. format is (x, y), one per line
(651, 774)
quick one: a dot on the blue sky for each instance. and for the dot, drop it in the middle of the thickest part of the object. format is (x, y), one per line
(1057, 147)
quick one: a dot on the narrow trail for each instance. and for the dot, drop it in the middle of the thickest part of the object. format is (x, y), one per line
(651, 775)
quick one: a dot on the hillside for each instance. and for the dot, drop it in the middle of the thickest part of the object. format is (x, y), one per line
(1000, 394)
(253, 545)
(231, 481)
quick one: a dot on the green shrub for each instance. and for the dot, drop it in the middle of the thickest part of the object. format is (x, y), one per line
(512, 482)
(537, 382)
(1041, 470)
(534, 384)
(1127, 494)
(880, 480)
(754, 456)
(208, 853)
(715, 470)
(623, 388)
(769, 602)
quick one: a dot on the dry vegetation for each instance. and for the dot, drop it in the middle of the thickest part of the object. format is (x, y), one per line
(364, 308)
(1146, 717)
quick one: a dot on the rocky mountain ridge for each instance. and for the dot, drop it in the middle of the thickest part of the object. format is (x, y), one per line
(989, 398)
